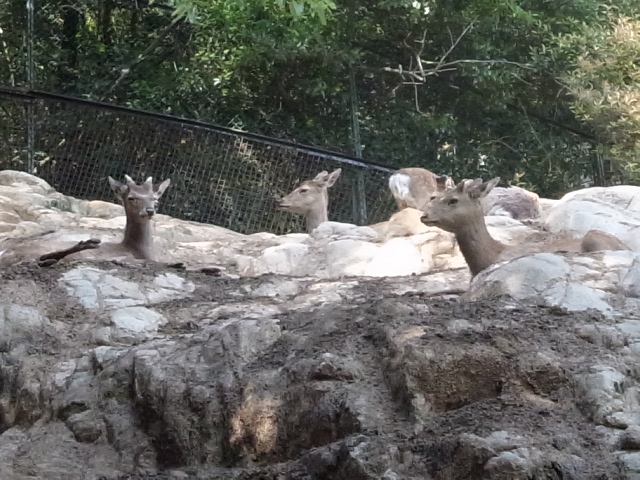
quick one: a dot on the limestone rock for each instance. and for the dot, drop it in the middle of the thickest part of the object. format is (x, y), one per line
(314, 356)
(615, 210)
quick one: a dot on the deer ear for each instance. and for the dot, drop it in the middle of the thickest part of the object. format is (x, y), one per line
(117, 187)
(333, 177)
(321, 177)
(483, 189)
(162, 187)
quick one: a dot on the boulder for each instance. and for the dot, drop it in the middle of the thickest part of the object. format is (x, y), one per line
(615, 210)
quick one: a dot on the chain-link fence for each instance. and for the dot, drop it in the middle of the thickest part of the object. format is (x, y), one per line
(218, 175)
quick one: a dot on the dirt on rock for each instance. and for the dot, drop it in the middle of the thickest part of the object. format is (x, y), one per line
(377, 385)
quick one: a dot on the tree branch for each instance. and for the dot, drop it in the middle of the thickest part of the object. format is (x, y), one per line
(417, 74)
(421, 75)
(542, 119)
(140, 58)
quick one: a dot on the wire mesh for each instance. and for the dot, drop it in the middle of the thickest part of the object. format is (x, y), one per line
(218, 176)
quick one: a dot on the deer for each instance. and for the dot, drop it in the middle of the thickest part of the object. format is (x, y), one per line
(311, 199)
(413, 187)
(140, 203)
(459, 211)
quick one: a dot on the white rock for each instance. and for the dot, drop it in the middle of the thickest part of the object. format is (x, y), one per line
(603, 388)
(288, 258)
(342, 230)
(630, 463)
(349, 257)
(17, 319)
(132, 324)
(105, 354)
(397, 257)
(623, 419)
(557, 280)
(615, 210)
(279, 288)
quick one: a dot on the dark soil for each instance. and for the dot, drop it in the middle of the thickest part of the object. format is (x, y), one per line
(478, 381)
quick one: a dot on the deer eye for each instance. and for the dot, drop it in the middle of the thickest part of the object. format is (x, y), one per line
(132, 199)
(433, 198)
(452, 201)
(304, 190)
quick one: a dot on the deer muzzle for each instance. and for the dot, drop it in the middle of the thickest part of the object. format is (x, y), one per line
(425, 219)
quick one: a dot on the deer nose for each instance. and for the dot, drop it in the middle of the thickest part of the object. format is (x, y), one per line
(150, 212)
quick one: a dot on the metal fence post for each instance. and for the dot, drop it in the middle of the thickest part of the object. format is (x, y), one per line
(31, 134)
(360, 200)
(30, 83)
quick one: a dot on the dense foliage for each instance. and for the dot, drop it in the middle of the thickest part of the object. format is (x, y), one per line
(539, 92)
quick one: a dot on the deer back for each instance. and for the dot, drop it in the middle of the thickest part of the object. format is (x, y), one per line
(413, 187)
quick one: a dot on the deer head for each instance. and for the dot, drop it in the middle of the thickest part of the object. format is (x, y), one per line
(456, 208)
(311, 198)
(139, 200)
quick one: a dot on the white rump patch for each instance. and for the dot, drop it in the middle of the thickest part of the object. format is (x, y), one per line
(399, 185)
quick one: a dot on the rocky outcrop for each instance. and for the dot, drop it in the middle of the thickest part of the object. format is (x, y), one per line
(286, 369)
(615, 210)
(30, 207)
(111, 371)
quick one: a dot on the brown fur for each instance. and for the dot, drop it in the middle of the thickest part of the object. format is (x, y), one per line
(140, 206)
(311, 199)
(413, 187)
(459, 211)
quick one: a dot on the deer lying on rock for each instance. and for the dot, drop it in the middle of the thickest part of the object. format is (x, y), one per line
(139, 202)
(459, 211)
(414, 187)
(311, 199)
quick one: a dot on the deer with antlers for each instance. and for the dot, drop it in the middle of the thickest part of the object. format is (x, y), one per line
(140, 203)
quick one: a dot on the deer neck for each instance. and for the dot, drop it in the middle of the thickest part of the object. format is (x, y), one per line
(316, 216)
(138, 236)
(479, 248)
